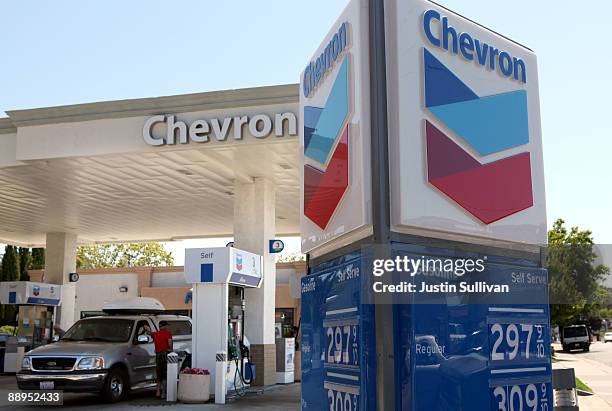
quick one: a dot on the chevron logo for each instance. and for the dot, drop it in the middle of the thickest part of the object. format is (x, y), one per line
(326, 145)
(488, 124)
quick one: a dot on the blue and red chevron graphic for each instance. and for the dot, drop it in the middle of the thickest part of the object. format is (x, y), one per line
(489, 191)
(326, 145)
(488, 124)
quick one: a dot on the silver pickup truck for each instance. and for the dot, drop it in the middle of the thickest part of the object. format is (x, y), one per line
(110, 355)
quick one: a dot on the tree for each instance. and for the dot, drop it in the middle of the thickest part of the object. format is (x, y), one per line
(10, 272)
(123, 255)
(10, 264)
(24, 263)
(575, 287)
(37, 261)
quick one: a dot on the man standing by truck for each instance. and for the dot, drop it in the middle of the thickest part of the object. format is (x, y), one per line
(163, 345)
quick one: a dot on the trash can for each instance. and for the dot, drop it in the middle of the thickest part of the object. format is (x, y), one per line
(564, 386)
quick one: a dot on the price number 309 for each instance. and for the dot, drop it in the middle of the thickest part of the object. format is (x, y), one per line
(522, 397)
(342, 401)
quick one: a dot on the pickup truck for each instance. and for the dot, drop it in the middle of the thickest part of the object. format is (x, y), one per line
(109, 355)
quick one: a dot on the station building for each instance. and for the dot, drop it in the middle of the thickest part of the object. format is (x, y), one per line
(167, 284)
(215, 164)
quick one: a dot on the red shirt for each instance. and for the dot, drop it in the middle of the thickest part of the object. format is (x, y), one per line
(160, 339)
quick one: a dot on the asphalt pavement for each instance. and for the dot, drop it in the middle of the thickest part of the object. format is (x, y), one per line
(274, 398)
(600, 352)
(594, 368)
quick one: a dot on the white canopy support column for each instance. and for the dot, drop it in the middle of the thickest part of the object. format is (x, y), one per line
(254, 226)
(60, 261)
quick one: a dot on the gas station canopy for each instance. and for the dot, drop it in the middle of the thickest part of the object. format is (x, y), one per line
(89, 170)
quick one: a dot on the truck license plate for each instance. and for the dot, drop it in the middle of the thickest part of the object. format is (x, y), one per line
(47, 385)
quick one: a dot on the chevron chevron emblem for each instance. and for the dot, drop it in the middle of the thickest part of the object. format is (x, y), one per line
(326, 148)
(488, 124)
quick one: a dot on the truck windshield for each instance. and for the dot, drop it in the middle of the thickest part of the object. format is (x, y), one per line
(571, 332)
(100, 329)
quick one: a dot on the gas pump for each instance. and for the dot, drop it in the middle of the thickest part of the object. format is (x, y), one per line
(35, 323)
(235, 322)
(219, 277)
(37, 303)
(238, 350)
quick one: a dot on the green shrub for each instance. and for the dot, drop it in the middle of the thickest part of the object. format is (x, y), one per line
(7, 329)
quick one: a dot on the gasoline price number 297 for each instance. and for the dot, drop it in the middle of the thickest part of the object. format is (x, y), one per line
(512, 342)
(342, 345)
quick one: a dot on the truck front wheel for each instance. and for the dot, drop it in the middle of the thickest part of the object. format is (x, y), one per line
(115, 386)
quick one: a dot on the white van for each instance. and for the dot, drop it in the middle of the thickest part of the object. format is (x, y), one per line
(575, 337)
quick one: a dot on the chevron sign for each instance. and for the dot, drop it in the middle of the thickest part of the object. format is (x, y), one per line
(336, 189)
(465, 141)
(326, 176)
(487, 124)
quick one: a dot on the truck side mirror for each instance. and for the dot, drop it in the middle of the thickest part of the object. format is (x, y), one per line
(143, 339)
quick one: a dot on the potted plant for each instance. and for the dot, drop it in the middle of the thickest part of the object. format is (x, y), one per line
(194, 385)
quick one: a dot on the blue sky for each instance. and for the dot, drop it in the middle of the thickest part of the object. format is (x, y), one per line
(65, 52)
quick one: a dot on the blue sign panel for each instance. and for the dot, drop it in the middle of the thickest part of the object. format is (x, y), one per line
(276, 246)
(466, 352)
(206, 273)
(337, 339)
(453, 351)
(42, 301)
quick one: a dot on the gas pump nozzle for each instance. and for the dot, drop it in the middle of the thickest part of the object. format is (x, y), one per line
(244, 351)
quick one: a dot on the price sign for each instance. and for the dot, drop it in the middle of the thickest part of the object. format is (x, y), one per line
(342, 344)
(517, 342)
(342, 401)
(523, 397)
